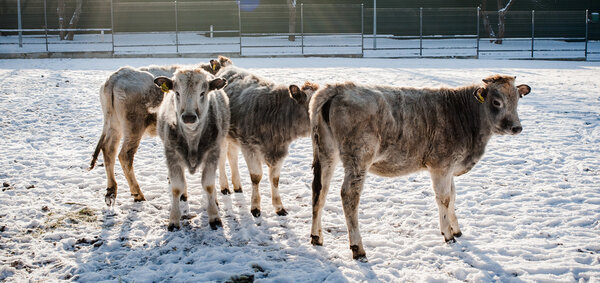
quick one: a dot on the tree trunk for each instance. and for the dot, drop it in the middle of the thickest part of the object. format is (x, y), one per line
(486, 20)
(292, 14)
(75, 19)
(61, 18)
(501, 19)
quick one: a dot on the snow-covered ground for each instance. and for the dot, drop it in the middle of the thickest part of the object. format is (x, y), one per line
(350, 44)
(529, 210)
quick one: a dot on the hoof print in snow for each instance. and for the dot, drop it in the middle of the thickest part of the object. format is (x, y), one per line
(188, 216)
(216, 224)
(255, 212)
(282, 212)
(2, 228)
(315, 240)
(225, 191)
(450, 241)
(173, 227)
(244, 278)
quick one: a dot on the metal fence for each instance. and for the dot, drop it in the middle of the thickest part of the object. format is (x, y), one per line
(228, 27)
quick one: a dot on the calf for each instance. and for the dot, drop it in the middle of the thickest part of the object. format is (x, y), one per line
(392, 131)
(265, 119)
(129, 100)
(193, 121)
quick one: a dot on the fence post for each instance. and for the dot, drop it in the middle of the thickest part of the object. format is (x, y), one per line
(478, 11)
(176, 30)
(532, 31)
(46, 23)
(362, 30)
(421, 32)
(586, 34)
(19, 23)
(112, 26)
(374, 24)
(302, 26)
(240, 23)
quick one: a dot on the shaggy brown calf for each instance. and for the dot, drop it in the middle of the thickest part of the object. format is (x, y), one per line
(393, 131)
(129, 100)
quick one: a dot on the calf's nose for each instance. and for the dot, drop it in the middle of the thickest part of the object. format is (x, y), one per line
(516, 129)
(188, 118)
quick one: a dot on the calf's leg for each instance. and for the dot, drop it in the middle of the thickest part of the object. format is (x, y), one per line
(109, 152)
(208, 183)
(452, 213)
(131, 142)
(253, 160)
(323, 168)
(222, 170)
(351, 189)
(444, 196)
(177, 187)
(274, 172)
(233, 150)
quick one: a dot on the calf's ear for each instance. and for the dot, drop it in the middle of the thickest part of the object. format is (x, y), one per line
(523, 90)
(480, 94)
(213, 64)
(164, 83)
(297, 94)
(217, 83)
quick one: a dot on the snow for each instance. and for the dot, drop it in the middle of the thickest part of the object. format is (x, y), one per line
(529, 210)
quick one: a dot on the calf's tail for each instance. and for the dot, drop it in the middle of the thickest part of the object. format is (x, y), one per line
(320, 131)
(97, 151)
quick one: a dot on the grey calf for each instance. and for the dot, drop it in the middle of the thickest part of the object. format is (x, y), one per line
(192, 122)
(392, 131)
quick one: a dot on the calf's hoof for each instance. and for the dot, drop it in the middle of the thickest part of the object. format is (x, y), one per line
(282, 212)
(316, 240)
(255, 212)
(238, 190)
(358, 253)
(225, 191)
(215, 224)
(110, 197)
(138, 198)
(173, 227)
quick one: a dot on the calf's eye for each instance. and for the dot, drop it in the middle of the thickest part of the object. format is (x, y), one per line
(497, 103)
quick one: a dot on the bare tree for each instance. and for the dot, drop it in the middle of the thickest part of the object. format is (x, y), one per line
(75, 19)
(62, 10)
(292, 23)
(502, 10)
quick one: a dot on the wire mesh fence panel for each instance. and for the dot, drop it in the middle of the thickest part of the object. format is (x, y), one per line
(332, 29)
(516, 41)
(270, 30)
(145, 27)
(559, 34)
(449, 32)
(208, 27)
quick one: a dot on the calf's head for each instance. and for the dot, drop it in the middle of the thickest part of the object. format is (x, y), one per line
(190, 88)
(303, 94)
(499, 96)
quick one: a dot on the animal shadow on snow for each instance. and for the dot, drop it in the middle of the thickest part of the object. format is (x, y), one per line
(476, 258)
(121, 249)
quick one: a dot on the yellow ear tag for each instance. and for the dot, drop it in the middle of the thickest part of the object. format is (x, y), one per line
(214, 66)
(164, 87)
(478, 96)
